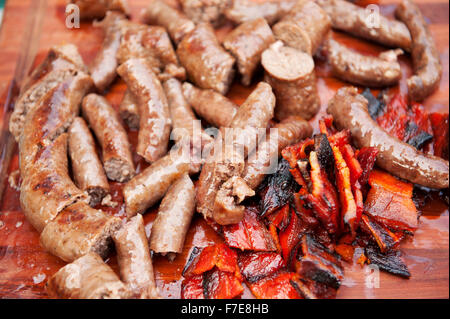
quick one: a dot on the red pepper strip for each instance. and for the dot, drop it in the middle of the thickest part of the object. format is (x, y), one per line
(295, 152)
(440, 126)
(192, 288)
(218, 284)
(306, 215)
(204, 259)
(273, 232)
(385, 180)
(366, 158)
(280, 218)
(349, 209)
(326, 125)
(396, 116)
(340, 138)
(257, 265)
(383, 236)
(299, 177)
(276, 286)
(290, 237)
(345, 251)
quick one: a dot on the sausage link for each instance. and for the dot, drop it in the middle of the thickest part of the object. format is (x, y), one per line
(133, 256)
(349, 110)
(129, 110)
(116, 152)
(246, 10)
(210, 11)
(87, 168)
(246, 43)
(174, 217)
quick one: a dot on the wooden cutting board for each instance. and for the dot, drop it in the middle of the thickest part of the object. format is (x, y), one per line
(25, 266)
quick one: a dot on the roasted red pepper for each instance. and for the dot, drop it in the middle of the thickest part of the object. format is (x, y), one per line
(192, 288)
(440, 126)
(205, 259)
(276, 286)
(366, 158)
(290, 237)
(218, 284)
(258, 265)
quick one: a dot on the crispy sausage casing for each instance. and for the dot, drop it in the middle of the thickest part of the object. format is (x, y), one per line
(88, 277)
(104, 121)
(207, 64)
(87, 168)
(133, 256)
(155, 123)
(246, 10)
(427, 65)
(349, 110)
(129, 110)
(246, 43)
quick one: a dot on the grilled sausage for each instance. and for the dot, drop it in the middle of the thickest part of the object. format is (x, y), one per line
(129, 110)
(87, 168)
(348, 17)
(246, 43)
(133, 256)
(357, 68)
(291, 74)
(287, 132)
(92, 9)
(154, 116)
(149, 186)
(304, 27)
(77, 230)
(246, 10)
(116, 153)
(427, 65)
(207, 64)
(176, 23)
(174, 217)
(103, 69)
(205, 10)
(60, 64)
(211, 106)
(88, 277)
(349, 110)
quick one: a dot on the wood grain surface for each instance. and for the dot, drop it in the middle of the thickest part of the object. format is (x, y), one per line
(25, 266)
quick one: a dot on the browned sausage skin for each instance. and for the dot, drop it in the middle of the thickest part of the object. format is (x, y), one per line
(427, 65)
(91, 9)
(88, 277)
(176, 23)
(246, 10)
(290, 72)
(349, 110)
(207, 64)
(116, 152)
(154, 116)
(129, 110)
(174, 217)
(205, 10)
(87, 168)
(304, 27)
(357, 68)
(133, 256)
(354, 19)
(246, 43)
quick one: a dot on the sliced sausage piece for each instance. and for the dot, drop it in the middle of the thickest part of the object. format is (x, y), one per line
(287, 132)
(103, 69)
(46, 186)
(133, 256)
(77, 230)
(149, 186)
(87, 168)
(174, 217)
(92, 9)
(349, 110)
(116, 152)
(246, 10)
(176, 23)
(246, 43)
(154, 116)
(207, 64)
(290, 72)
(348, 17)
(129, 110)
(357, 68)
(426, 62)
(88, 277)
(205, 10)
(304, 27)
(211, 106)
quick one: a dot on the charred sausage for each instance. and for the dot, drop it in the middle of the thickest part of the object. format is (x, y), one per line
(246, 43)
(357, 68)
(246, 10)
(87, 168)
(291, 74)
(349, 110)
(176, 23)
(356, 20)
(129, 110)
(88, 277)
(174, 217)
(207, 64)
(92, 9)
(154, 116)
(133, 256)
(205, 10)
(304, 27)
(116, 152)
(427, 65)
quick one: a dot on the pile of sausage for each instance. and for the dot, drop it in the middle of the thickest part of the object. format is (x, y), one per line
(60, 104)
